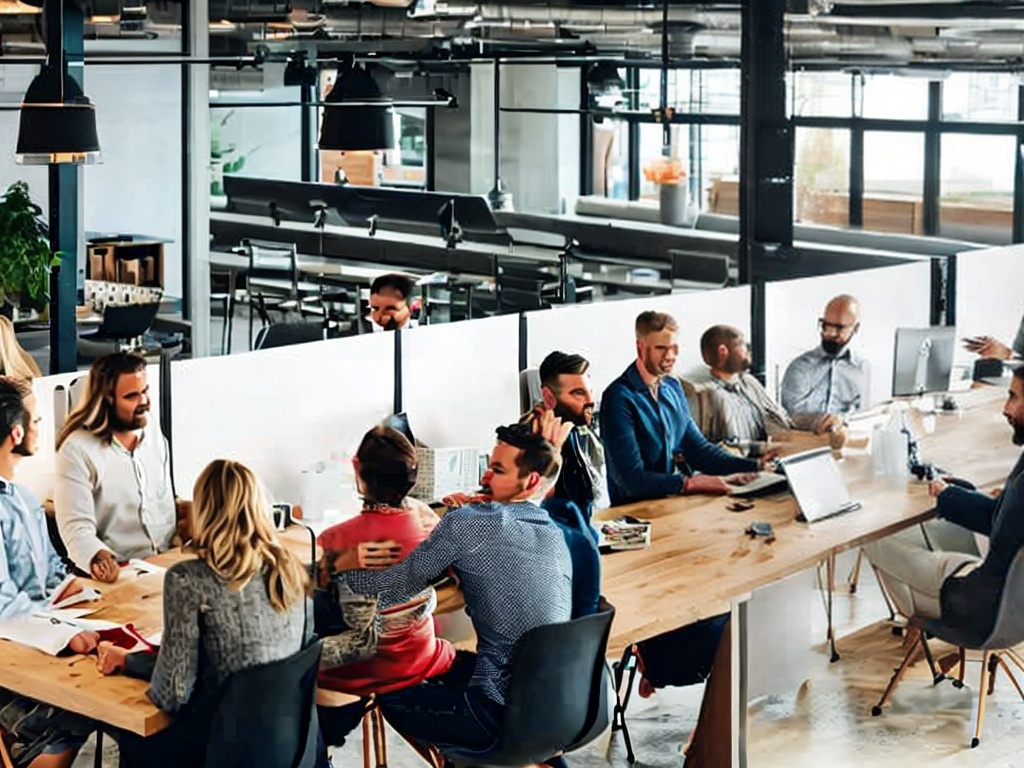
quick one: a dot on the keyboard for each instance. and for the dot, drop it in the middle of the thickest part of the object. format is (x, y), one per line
(764, 482)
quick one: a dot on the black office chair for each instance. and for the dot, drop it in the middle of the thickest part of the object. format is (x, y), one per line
(266, 716)
(272, 281)
(558, 699)
(122, 326)
(285, 334)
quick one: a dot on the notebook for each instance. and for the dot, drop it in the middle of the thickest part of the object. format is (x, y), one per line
(817, 485)
(765, 482)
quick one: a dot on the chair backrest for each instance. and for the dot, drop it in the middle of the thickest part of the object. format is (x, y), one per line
(555, 692)
(127, 321)
(529, 389)
(285, 334)
(269, 259)
(1009, 627)
(266, 716)
(699, 267)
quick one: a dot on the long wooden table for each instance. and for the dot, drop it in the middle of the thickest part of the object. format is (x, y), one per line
(701, 562)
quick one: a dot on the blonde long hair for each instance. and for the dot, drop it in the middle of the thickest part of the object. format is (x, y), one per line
(231, 531)
(15, 361)
(93, 411)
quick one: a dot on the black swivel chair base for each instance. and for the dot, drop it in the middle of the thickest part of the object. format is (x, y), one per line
(628, 663)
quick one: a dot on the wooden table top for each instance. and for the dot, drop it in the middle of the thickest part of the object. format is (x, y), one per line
(701, 558)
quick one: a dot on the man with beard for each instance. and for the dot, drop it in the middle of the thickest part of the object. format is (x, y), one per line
(648, 432)
(962, 589)
(113, 495)
(831, 378)
(566, 391)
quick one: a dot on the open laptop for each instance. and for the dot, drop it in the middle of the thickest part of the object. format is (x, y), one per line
(817, 485)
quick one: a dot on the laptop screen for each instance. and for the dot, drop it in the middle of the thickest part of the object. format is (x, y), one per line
(816, 483)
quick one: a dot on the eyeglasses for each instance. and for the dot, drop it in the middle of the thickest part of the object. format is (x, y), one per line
(837, 327)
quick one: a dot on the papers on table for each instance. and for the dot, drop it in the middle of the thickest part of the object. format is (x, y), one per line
(49, 631)
(624, 533)
(84, 595)
(137, 568)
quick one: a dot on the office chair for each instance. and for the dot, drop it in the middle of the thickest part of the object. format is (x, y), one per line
(272, 281)
(997, 647)
(285, 334)
(123, 327)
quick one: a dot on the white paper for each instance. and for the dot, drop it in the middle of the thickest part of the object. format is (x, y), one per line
(137, 568)
(84, 596)
(44, 631)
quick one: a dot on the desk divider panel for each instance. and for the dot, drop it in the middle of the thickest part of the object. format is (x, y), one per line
(989, 293)
(461, 380)
(279, 410)
(890, 297)
(603, 332)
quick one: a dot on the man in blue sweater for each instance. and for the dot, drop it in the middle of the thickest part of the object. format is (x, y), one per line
(653, 449)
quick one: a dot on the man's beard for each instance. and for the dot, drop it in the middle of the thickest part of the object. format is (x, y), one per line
(1018, 433)
(831, 346)
(137, 421)
(654, 369)
(579, 419)
(391, 325)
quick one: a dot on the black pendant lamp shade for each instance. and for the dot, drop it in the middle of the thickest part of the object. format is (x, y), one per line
(357, 127)
(58, 122)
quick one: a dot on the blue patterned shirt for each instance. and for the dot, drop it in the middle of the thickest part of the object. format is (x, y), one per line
(29, 566)
(515, 572)
(817, 383)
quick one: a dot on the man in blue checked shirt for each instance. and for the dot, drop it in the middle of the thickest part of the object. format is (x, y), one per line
(30, 572)
(516, 574)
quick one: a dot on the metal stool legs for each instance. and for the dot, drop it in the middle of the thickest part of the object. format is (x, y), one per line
(627, 663)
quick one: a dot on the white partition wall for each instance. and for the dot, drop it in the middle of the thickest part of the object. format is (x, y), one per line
(603, 332)
(890, 297)
(461, 380)
(280, 410)
(990, 292)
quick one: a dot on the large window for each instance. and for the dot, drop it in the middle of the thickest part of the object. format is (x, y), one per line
(980, 96)
(892, 97)
(977, 188)
(821, 183)
(822, 94)
(894, 182)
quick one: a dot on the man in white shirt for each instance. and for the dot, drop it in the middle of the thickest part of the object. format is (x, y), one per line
(389, 303)
(113, 494)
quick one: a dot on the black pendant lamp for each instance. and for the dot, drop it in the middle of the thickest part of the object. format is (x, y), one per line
(58, 122)
(364, 124)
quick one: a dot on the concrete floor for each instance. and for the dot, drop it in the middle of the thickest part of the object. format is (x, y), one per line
(824, 722)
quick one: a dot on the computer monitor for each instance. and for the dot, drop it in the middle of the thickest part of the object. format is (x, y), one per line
(923, 360)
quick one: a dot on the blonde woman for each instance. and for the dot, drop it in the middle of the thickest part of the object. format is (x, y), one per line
(240, 603)
(15, 361)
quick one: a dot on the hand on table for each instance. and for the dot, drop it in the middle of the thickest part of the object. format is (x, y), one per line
(110, 659)
(711, 484)
(104, 567)
(84, 642)
(830, 422)
(73, 588)
(937, 486)
(766, 461)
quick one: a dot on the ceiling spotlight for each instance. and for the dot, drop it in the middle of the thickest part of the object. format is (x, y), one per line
(58, 122)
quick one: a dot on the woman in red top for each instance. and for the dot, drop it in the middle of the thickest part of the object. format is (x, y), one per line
(407, 651)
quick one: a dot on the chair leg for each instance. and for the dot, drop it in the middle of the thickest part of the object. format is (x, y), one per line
(937, 675)
(97, 758)
(982, 696)
(854, 576)
(897, 675)
(5, 757)
(628, 662)
(885, 595)
(830, 575)
(1009, 674)
(380, 747)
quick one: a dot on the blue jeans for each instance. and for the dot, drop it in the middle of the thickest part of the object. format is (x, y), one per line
(445, 710)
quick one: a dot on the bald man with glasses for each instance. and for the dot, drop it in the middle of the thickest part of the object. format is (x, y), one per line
(830, 380)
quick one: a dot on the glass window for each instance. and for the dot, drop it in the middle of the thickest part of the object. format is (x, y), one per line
(821, 183)
(710, 154)
(822, 94)
(980, 96)
(976, 201)
(679, 89)
(892, 97)
(693, 90)
(893, 181)
(719, 91)
(611, 159)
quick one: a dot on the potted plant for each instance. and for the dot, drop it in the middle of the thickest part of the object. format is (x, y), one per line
(25, 255)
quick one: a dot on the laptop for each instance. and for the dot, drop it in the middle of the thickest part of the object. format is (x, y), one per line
(817, 485)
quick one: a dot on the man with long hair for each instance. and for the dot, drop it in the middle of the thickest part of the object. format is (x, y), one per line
(113, 495)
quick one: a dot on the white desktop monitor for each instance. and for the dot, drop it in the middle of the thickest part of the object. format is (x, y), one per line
(923, 360)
